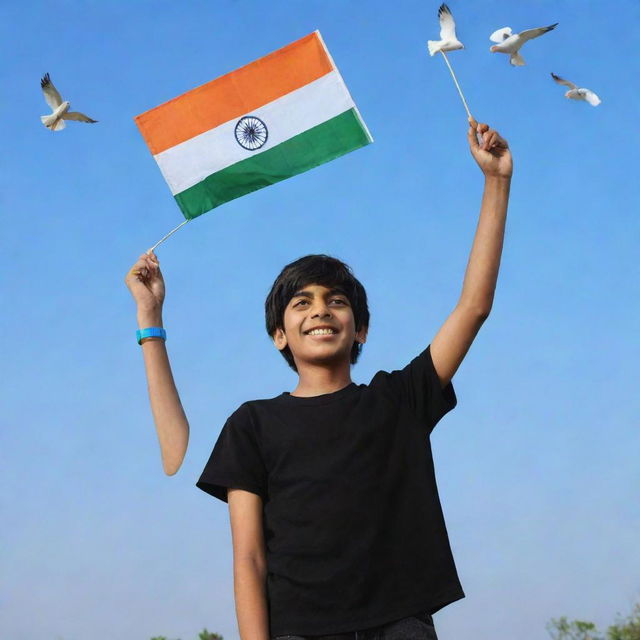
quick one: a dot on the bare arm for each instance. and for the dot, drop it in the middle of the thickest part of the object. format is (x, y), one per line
(456, 335)
(249, 564)
(147, 288)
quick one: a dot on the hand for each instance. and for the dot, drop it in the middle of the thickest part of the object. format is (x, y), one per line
(146, 284)
(492, 154)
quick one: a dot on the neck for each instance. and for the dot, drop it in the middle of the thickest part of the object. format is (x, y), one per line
(316, 380)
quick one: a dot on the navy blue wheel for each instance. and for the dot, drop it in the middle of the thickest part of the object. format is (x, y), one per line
(251, 133)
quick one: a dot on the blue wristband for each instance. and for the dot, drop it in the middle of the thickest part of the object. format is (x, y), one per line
(151, 332)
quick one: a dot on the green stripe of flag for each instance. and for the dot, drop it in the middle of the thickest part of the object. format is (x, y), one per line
(320, 144)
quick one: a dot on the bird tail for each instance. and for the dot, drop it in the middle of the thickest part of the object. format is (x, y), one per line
(517, 60)
(52, 123)
(433, 46)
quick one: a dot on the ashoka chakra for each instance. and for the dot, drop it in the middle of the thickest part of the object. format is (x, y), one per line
(251, 133)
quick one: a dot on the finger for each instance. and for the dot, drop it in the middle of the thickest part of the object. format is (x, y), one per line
(481, 130)
(152, 267)
(141, 263)
(489, 140)
(472, 138)
(140, 273)
(151, 256)
(473, 123)
(501, 142)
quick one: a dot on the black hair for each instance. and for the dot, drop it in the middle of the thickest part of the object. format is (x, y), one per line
(315, 269)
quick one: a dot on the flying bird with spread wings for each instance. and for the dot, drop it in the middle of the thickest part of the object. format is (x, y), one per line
(448, 40)
(60, 110)
(509, 42)
(577, 93)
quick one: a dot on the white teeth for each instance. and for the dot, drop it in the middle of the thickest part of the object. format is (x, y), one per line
(321, 332)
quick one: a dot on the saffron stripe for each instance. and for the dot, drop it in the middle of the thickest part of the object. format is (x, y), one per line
(235, 94)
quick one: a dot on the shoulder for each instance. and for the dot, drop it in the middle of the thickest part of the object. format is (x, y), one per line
(422, 362)
(253, 412)
(261, 404)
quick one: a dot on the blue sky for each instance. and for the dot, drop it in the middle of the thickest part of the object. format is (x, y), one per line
(537, 466)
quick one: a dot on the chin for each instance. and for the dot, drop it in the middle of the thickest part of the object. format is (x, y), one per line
(327, 357)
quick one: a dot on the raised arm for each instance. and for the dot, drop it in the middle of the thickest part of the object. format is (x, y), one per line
(146, 284)
(454, 338)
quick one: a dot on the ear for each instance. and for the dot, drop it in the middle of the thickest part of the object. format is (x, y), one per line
(279, 339)
(361, 335)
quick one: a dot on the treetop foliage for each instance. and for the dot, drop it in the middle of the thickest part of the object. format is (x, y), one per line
(623, 629)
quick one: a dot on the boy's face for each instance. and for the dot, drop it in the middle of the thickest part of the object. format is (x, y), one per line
(319, 326)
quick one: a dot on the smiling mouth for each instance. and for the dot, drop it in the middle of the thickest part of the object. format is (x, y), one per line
(321, 332)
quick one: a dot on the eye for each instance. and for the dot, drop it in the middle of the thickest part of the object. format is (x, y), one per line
(339, 301)
(300, 302)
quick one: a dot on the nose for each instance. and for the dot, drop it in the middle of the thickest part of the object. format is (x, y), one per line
(320, 310)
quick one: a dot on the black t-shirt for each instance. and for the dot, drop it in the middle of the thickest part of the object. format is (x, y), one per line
(353, 526)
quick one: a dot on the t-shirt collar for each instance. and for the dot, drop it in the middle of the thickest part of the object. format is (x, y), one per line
(324, 398)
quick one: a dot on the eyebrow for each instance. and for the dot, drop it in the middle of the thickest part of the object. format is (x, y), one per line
(308, 294)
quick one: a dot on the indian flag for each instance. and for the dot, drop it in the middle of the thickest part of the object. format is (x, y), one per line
(267, 121)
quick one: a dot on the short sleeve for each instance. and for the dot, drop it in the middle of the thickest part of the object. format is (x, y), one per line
(420, 386)
(236, 461)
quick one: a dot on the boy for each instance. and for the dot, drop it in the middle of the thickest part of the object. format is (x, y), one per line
(336, 523)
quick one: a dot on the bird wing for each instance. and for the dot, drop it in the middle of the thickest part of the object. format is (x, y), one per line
(51, 95)
(76, 115)
(447, 24)
(500, 35)
(534, 33)
(566, 83)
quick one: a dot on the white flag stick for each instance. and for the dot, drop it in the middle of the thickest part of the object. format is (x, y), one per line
(168, 234)
(453, 75)
(464, 102)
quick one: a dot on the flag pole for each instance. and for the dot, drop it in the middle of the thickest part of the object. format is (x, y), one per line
(453, 75)
(464, 102)
(168, 234)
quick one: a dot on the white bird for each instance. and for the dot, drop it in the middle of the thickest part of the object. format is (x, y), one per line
(448, 40)
(577, 93)
(60, 110)
(509, 42)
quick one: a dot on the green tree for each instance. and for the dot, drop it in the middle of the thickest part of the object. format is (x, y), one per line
(562, 629)
(207, 635)
(624, 628)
